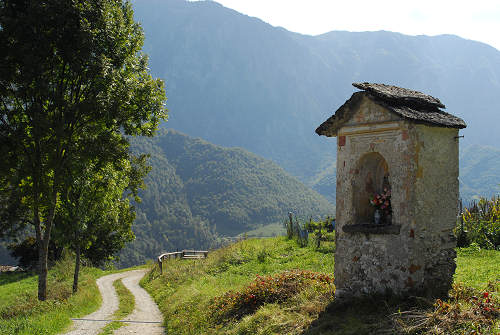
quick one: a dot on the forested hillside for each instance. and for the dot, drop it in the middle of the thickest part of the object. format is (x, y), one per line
(237, 81)
(198, 192)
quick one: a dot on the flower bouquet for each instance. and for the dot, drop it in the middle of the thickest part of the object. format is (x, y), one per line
(382, 204)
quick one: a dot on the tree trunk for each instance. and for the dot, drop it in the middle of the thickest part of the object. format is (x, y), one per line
(42, 270)
(43, 238)
(77, 268)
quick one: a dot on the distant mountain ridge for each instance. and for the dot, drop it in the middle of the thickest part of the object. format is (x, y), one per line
(198, 192)
(235, 80)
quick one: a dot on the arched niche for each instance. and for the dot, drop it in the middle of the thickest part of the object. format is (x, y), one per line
(371, 177)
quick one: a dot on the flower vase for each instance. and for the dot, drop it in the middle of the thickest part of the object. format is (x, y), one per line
(377, 216)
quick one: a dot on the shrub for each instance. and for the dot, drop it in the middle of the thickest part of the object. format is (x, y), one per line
(261, 256)
(480, 223)
(320, 229)
(267, 289)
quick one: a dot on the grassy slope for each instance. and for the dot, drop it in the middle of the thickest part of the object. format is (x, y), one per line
(185, 291)
(22, 313)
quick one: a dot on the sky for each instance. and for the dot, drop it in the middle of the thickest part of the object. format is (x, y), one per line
(471, 19)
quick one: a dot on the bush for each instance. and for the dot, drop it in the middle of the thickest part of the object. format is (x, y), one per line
(480, 223)
(268, 289)
(320, 229)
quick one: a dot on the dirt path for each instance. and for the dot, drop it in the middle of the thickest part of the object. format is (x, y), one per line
(146, 317)
(141, 317)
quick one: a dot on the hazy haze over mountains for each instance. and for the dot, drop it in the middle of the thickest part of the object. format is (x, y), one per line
(237, 81)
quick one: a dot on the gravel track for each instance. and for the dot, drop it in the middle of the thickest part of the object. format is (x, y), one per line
(146, 313)
(145, 308)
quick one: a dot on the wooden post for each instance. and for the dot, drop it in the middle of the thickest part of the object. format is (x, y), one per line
(160, 264)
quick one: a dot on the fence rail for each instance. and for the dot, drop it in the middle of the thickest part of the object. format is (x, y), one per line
(184, 254)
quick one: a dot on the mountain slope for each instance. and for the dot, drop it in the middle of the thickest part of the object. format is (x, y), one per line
(197, 192)
(237, 81)
(479, 172)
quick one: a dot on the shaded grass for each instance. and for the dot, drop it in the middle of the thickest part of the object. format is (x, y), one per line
(125, 307)
(22, 313)
(11, 277)
(186, 289)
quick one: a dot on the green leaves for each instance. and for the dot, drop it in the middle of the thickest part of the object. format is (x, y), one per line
(73, 85)
(481, 224)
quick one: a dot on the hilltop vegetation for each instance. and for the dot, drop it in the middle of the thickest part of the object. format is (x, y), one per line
(198, 192)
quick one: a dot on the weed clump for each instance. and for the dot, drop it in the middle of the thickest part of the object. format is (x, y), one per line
(467, 311)
(268, 289)
(479, 224)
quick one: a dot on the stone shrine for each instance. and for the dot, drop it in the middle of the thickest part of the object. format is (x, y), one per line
(397, 192)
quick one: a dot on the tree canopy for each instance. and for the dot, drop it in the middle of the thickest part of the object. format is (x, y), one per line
(95, 217)
(73, 85)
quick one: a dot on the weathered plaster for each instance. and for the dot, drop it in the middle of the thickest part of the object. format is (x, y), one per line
(422, 162)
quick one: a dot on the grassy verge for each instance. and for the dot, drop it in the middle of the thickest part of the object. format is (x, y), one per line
(225, 295)
(186, 291)
(125, 307)
(22, 313)
(477, 267)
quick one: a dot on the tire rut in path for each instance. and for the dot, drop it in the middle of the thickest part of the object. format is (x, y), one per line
(110, 305)
(147, 316)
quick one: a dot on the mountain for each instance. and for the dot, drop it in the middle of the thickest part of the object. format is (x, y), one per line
(479, 172)
(235, 80)
(198, 192)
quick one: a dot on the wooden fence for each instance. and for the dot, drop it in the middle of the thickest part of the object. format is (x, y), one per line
(184, 254)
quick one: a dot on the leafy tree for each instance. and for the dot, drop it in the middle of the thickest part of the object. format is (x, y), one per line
(96, 216)
(73, 84)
